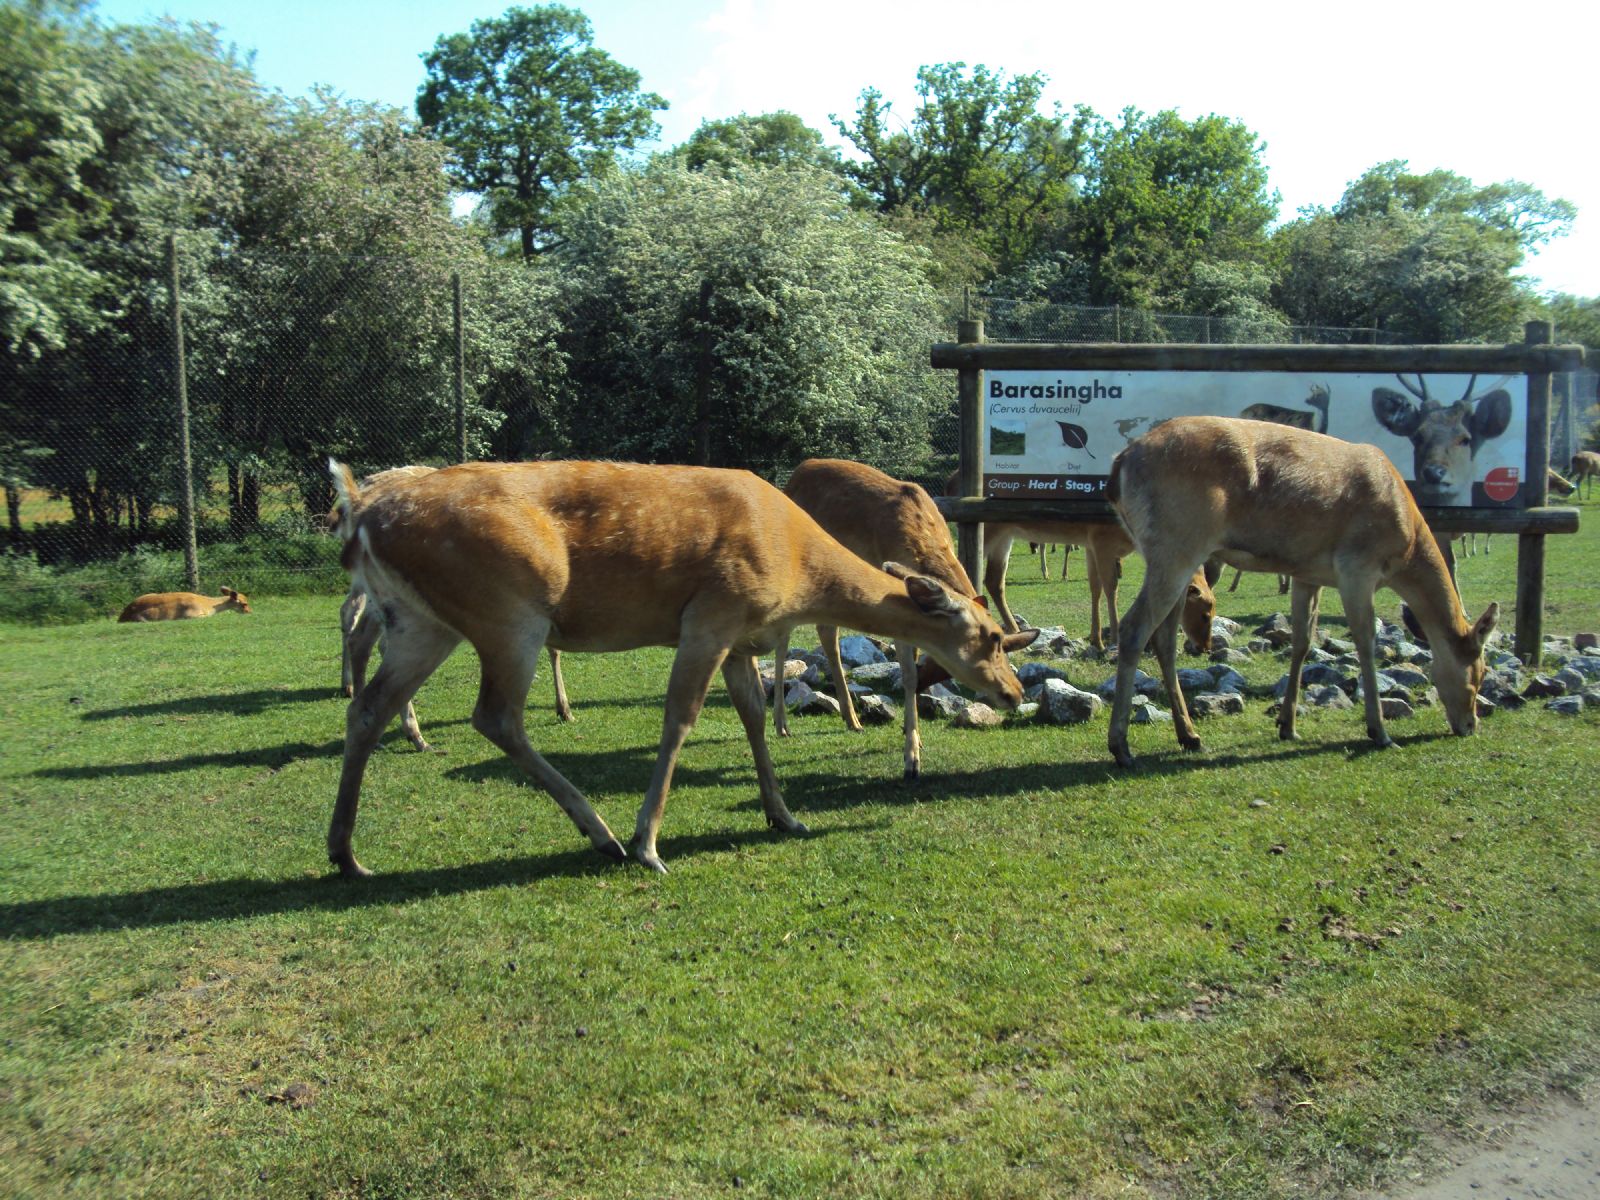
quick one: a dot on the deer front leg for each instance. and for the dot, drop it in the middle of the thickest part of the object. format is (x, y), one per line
(744, 689)
(1304, 600)
(780, 710)
(907, 654)
(996, 557)
(358, 633)
(1162, 592)
(697, 660)
(1357, 597)
(828, 635)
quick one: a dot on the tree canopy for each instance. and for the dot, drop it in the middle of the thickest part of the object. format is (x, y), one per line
(530, 106)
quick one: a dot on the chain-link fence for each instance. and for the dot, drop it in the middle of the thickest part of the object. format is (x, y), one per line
(287, 359)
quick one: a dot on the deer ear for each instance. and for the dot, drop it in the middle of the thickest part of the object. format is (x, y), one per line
(1485, 625)
(230, 593)
(1019, 640)
(929, 594)
(1409, 620)
(1491, 416)
(898, 571)
(1395, 412)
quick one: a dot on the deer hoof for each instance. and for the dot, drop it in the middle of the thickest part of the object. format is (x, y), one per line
(613, 850)
(1121, 755)
(1285, 734)
(348, 691)
(1192, 743)
(349, 868)
(653, 861)
(1380, 738)
(913, 772)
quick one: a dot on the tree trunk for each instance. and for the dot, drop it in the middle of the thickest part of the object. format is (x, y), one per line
(14, 514)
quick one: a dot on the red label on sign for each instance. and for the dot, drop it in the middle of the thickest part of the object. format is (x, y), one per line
(1501, 483)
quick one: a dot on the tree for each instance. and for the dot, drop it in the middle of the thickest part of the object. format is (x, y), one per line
(1163, 195)
(776, 139)
(530, 107)
(745, 318)
(1427, 258)
(977, 156)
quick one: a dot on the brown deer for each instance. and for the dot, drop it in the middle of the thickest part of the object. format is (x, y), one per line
(609, 557)
(1585, 466)
(1444, 438)
(359, 630)
(182, 606)
(878, 519)
(1269, 498)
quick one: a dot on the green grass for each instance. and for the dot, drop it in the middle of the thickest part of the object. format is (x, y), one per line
(1027, 974)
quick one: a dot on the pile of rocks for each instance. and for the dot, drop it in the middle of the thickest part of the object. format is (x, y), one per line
(1331, 678)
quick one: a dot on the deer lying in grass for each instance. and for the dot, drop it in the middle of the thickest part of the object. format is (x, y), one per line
(182, 606)
(878, 519)
(1585, 465)
(609, 557)
(1268, 498)
(359, 629)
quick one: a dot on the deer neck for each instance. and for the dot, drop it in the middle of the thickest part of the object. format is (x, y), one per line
(857, 595)
(1424, 583)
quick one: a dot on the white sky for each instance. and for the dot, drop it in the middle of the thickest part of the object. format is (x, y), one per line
(1331, 90)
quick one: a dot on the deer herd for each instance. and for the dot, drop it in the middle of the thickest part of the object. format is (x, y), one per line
(522, 559)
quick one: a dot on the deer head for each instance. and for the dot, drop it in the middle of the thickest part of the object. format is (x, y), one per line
(1444, 438)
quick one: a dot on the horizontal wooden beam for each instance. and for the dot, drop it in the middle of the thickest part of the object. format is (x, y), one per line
(1515, 359)
(1093, 512)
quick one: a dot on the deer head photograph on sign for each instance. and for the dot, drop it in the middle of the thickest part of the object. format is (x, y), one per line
(1445, 438)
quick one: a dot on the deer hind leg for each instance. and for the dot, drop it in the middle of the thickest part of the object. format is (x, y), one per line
(1165, 639)
(996, 558)
(1238, 574)
(563, 705)
(415, 649)
(744, 689)
(1165, 586)
(780, 709)
(1357, 597)
(907, 654)
(362, 630)
(506, 674)
(1304, 601)
(828, 635)
(358, 633)
(697, 660)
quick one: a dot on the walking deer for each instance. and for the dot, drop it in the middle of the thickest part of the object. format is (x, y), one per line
(360, 629)
(609, 557)
(878, 519)
(183, 606)
(1585, 466)
(1327, 513)
(1444, 439)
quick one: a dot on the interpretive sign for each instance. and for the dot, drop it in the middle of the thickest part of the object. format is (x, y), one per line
(1459, 440)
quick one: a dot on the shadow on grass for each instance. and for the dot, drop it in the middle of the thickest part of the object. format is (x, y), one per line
(243, 704)
(231, 899)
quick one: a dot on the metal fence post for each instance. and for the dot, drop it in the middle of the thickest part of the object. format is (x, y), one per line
(1529, 646)
(186, 518)
(460, 369)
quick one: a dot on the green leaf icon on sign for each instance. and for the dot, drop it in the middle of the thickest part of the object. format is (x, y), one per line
(1075, 436)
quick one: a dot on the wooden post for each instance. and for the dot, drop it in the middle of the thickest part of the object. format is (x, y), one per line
(1529, 645)
(460, 369)
(969, 537)
(186, 518)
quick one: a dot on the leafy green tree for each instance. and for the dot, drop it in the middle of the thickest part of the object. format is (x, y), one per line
(775, 139)
(744, 318)
(1426, 258)
(1163, 195)
(978, 156)
(530, 107)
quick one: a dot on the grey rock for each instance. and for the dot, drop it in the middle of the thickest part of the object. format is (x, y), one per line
(880, 677)
(1232, 657)
(1225, 679)
(1544, 687)
(1147, 712)
(1394, 708)
(875, 710)
(1408, 676)
(977, 715)
(1062, 704)
(858, 651)
(1217, 704)
(1033, 673)
(1327, 696)
(1566, 706)
(1193, 679)
(1143, 685)
(1572, 680)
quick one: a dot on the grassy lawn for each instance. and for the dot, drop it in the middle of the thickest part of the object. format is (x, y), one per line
(1260, 970)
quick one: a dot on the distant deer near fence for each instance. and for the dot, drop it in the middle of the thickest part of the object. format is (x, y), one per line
(182, 606)
(1585, 465)
(1444, 438)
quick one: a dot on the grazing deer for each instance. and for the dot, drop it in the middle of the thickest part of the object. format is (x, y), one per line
(1268, 498)
(181, 606)
(1314, 417)
(609, 557)
(1444, 439)
(359, 631)
(1585, 465)
(878, 519)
